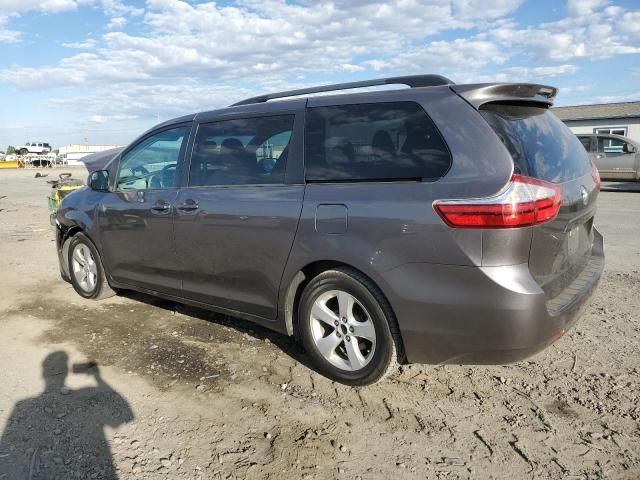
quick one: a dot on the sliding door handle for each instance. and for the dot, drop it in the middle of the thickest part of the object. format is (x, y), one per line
(188, 205)
(161, 207)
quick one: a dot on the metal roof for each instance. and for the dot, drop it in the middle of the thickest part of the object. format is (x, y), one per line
(598, 111)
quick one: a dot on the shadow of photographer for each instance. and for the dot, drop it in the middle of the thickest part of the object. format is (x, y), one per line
(60, 433)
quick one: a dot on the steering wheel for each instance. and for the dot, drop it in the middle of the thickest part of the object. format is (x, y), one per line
(167, 176)
(141, 169)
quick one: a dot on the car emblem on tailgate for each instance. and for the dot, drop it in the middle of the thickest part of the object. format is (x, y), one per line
(585, 195)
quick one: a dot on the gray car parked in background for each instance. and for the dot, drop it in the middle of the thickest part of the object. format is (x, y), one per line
(616, 157)
(439, 223)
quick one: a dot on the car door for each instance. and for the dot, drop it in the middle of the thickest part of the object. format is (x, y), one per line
(136, 218)
(615, 158)
(236, 220)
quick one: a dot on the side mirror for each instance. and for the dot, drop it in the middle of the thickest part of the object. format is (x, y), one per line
(628, 148)
(99, 180)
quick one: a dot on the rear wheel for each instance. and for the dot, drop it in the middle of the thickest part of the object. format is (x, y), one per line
(23, 151)
(348, 328)
(86, 271)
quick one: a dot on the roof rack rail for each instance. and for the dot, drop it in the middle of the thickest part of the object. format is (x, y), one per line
(412, 81)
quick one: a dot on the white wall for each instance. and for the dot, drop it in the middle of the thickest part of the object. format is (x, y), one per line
(587, 126)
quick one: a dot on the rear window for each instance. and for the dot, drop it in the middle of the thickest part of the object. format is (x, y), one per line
(541, 145)
(373, 142)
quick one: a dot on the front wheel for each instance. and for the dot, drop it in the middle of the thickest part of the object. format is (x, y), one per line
(348, 328)
(86, 270)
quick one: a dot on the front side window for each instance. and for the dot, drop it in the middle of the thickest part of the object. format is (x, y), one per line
(611, 145)
(373, 142)
(152, 163)
(243, 151)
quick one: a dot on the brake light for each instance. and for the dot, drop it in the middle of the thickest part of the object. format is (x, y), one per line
(525, 201)
(595, 174)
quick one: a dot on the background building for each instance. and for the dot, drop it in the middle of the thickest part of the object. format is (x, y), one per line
(616, 118)
(73, 153)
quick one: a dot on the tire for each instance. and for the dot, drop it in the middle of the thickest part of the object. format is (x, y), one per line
(86, 270)
(365, 346)
(23, 151)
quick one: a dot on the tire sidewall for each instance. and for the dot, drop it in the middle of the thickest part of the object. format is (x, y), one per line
(337, 280)
(100, 278)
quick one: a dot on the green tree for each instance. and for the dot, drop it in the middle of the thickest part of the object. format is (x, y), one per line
(11, 149)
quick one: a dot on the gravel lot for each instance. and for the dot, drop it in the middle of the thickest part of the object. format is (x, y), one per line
(177, 392)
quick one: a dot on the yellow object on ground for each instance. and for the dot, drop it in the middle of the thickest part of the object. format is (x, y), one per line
(59, 193)
(12, 164)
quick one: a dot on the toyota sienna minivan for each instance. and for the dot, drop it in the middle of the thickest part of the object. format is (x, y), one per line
(439, 223)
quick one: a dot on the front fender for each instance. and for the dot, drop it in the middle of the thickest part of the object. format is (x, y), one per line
(79, 211)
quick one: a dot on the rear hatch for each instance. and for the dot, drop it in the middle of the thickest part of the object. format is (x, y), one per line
(542, 147)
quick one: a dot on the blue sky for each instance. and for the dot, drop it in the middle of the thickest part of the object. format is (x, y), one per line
(102, 71)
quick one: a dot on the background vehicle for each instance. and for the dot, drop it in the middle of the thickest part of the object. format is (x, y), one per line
(437, 224)
(33, 147)
(616, 157)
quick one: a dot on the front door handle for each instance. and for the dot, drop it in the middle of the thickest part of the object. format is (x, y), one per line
(161, 207)
(189, 205)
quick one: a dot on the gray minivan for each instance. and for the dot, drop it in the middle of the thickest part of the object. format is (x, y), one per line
(438, 223)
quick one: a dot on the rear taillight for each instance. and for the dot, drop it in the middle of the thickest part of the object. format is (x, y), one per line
(525, 201)
(595, 174)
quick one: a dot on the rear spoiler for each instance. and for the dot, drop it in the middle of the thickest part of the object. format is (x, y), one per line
(480, 93)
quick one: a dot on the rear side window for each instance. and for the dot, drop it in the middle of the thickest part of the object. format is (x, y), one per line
(541, 145)
(373, 142)
(243, 151)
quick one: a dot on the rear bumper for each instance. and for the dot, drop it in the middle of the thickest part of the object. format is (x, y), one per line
(484, 315)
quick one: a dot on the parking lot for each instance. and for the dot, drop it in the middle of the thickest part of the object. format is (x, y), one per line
(186, 393)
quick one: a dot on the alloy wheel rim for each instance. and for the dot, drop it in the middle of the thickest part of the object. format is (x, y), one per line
(85, 270)
(342, 330)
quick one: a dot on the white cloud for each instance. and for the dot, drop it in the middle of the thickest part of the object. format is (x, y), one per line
(115, 9)
(629, 97)
(585, 7)
(116, 23)
(112, 8)
(263, 40)
(577, 89)
(99, 119)
(589, 34)
(116, 103)
(87, 44)
(53, 6)
(6, 34)
(260, 45)
(631, 23)
(481, 9)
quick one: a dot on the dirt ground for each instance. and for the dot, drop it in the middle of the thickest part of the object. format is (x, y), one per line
(177, 392)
